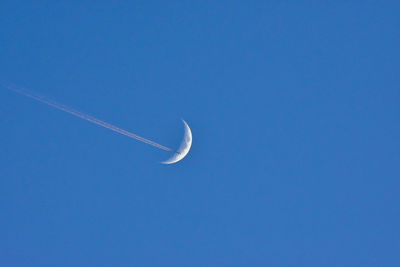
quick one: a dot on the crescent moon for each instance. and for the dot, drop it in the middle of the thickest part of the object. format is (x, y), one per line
(184, 147)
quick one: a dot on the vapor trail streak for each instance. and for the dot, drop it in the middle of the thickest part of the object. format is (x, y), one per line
(84, 116)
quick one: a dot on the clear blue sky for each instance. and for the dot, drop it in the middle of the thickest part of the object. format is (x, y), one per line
(294, 109)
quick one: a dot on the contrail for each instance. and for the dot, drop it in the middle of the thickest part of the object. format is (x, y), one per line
(83, 116)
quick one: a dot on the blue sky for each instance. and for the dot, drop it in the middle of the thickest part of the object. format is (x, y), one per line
(294, 109)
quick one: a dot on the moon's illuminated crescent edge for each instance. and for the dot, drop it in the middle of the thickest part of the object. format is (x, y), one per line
(184, 147)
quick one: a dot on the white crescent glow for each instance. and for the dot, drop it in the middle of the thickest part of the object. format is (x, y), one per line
(184, 147)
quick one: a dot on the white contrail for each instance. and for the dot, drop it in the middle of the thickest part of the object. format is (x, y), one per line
(84, 116)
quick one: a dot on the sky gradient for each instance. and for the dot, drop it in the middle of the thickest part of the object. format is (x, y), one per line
(294, 110)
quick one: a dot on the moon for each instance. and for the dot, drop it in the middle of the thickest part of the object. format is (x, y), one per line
(184, 147)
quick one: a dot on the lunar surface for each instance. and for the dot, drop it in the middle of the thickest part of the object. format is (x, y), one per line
(184, 147)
